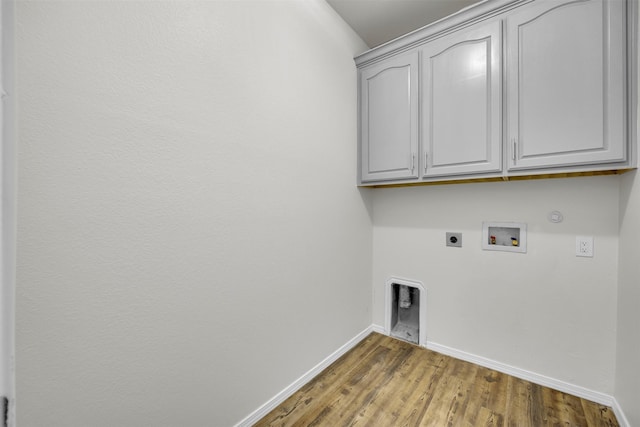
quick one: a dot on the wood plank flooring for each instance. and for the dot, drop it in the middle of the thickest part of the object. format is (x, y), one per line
(387, 382)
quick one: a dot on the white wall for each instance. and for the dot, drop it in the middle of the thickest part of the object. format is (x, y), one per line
(8, 184)
(190, 237)
(546, 311)
(627, 384)
(627, 390)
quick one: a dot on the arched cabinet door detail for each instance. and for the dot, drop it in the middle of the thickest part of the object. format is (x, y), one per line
(461, 102)
(507, 89)
(566, 84)
(389, 119)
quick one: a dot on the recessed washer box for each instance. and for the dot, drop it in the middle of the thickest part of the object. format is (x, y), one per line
(504, 236)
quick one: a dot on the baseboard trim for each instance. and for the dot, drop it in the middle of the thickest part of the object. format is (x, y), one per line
(263, 410)
(620, 416)
(584, 393)
(594, 396)
(379, 329)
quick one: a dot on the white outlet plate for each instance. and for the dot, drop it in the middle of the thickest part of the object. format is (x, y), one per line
(584, 246)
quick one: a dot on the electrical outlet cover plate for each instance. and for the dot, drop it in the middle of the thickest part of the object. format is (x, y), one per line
(454, 240)
(584, 246)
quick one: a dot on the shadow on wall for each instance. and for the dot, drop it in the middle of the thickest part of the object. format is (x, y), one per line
(366, 194)
(454, 207)
(627, 183)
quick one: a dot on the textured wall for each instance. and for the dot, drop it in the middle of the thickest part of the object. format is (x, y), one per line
(546, 311)
(190, 237)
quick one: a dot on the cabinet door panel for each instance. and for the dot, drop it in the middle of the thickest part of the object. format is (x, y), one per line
(389, 119)
(566, 83)
(462, 102)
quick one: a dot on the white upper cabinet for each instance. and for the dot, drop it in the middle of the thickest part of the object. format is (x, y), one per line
(505, 88)
(461, 102)
(389, 119)
(565, 83)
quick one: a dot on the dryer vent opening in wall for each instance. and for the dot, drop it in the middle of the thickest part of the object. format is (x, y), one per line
(405, 313)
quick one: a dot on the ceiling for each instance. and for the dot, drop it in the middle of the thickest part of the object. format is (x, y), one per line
(378, 21)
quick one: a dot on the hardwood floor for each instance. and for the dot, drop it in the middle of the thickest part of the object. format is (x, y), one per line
(387, 382)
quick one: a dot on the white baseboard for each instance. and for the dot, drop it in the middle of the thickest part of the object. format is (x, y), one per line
(594, 396)
(379, 329)
(263, 410)
(620, 416)
(584, 393)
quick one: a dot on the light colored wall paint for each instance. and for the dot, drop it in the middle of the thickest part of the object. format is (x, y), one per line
(627, 384)
(190, 237)
(545, 311)
(8, 183)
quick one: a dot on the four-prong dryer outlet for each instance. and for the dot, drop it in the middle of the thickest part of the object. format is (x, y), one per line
(454, 239)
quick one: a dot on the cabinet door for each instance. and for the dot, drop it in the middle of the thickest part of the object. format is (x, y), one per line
(566, 83)
(389, 119)
(461, 102)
